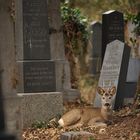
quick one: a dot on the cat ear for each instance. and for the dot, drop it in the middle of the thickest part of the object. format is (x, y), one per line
(112, 90)
(100, 90)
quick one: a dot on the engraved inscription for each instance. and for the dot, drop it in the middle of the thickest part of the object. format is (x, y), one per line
(115, 29)
(39, 76)
(111, 64)
(35, 30)
(110, 72)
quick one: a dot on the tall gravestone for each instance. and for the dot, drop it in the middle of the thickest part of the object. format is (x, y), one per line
(95, 48)
(132, 80)
(112, 28)
(43, 70)
(8, 70)
(114, 71)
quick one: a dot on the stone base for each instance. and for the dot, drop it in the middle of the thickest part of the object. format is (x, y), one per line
(40, 107)
(130, 92)
(71, 95)
(43, 75)
(82, 135)
(13, 117)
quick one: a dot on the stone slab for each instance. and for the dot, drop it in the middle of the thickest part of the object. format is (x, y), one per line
(56, 31)
(130, 92)
(40, 107)
(43, 75)
(81, 135)
(133, 70)
(36, 76)
(114, 71)
(130, 89)
(96, 39)
(112, 28)
(32, 30)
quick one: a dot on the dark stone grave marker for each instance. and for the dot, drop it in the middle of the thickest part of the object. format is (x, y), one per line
(38, 76)
(95, 49)
(112, 28)
(35, 30)
(43, 71)
(38, 71)
(114, 71)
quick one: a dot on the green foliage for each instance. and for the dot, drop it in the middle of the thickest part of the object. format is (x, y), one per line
(39, 124)
(91, 138)
(76, 37)
(135, 18)
(75, 27)
(94, 8)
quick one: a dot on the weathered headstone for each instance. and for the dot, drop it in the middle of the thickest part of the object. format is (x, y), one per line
(43, 73)
(38, 69)
(112, 28)
(129, 92)
(95, 48)
(131, 80)
(8, 70)
(114, 71)
(133, 70)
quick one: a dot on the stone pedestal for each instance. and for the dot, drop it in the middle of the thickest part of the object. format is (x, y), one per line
(43, 75)
(40, 107)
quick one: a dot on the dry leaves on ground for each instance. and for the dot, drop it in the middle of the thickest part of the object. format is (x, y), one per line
(126, 126)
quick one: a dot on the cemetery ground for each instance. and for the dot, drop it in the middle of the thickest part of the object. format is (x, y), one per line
(125, 125)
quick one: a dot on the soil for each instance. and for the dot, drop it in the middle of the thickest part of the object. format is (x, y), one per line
(125, 126)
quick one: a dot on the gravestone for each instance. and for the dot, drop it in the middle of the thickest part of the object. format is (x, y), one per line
(114, 71)
(39, 70)
(133, 70)
(8, 71)
(43, 71)
(95, 49)
(131, 80)
(112, 28)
